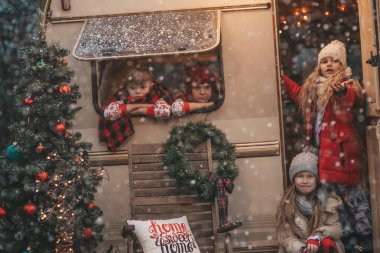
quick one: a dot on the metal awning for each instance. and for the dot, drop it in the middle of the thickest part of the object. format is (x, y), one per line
(157, 33)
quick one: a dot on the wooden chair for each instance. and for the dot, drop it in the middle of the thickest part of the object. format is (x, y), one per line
(155, 196)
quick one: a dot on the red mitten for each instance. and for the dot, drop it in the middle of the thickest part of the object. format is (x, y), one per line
(314, 239)
(160, 110)
(115, 110)
(180, 108)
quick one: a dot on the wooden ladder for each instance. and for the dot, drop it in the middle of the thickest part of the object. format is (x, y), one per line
(154, 194)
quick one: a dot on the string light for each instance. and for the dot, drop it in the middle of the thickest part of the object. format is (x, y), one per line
(304, 10)
(62, 212)
(342, 7)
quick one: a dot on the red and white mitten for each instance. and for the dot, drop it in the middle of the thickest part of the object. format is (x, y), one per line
(180, 108)
(160, 110)
(115, 110)
(314, 239)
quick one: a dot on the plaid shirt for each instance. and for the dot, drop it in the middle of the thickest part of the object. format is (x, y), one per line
(222, 186)
(114, 133)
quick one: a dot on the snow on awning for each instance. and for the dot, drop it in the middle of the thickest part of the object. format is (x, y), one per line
(148, 34)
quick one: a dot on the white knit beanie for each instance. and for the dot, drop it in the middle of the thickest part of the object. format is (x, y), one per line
(335, 49)
(304, 161)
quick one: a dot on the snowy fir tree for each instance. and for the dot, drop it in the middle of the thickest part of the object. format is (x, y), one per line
(15, 30)
(47, 186)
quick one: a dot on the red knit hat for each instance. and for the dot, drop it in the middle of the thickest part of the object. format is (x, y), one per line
(199, 74)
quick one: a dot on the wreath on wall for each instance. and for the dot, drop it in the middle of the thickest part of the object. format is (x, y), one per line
(184, 139)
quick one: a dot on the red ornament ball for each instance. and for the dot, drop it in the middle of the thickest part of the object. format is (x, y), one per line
(63, 89)
(3, 212)
(60, 128)
(91, 205)
(28, 101)
(87, 233)
(65, 61)
(42, 176)
(30, 208)
(40, 148)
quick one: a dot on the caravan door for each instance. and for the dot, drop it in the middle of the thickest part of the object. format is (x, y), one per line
(369, 16)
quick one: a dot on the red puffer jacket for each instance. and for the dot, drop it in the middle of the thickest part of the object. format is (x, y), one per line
(339, 152)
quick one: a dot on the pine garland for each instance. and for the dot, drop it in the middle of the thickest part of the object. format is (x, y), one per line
(184, 139)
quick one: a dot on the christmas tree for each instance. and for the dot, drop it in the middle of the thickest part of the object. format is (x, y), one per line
(47, 186)
(15, 30)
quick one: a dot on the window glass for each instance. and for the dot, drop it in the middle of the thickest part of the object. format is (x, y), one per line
(196, 79)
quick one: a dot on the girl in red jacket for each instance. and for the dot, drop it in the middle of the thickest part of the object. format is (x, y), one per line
(327, 100)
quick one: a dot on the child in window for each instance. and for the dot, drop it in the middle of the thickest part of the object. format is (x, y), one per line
(307, 218)
(327, 100)
(201, 91)
(139, 95)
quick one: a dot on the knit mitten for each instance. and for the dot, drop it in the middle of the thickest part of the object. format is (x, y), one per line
(180, 108)
(160, 110)
(115, 110)
(314, 239)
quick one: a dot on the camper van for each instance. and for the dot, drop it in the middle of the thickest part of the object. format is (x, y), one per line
(238, 41)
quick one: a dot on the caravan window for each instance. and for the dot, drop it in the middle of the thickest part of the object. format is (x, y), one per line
(180, 50)
(196, 78)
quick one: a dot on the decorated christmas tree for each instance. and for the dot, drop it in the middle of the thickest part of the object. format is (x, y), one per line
(15, 30)
(47, 186)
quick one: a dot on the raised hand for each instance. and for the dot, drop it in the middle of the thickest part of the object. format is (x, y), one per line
(339, 87)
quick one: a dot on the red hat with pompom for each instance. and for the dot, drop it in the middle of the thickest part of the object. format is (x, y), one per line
(199, 74)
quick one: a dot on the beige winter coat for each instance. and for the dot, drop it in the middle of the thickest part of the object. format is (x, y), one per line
(329, 227)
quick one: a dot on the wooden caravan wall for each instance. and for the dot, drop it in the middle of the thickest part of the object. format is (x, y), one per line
(372, 86)
(373, 144)
(249, 116)
(85, 8)
(368, 47)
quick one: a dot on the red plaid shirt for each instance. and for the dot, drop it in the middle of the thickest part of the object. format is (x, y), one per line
(114, 133)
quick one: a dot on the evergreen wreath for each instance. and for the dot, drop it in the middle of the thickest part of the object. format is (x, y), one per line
(184, 139)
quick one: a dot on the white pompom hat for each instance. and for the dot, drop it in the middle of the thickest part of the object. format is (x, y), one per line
(335, 49)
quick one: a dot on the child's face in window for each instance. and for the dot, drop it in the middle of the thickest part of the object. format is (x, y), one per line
(139, 90)
(201, 93)
(305, 182)
(329, 66)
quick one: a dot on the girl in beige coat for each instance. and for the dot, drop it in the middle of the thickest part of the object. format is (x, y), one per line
(307, 218)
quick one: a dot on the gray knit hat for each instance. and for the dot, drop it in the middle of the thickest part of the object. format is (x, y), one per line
(307, 160)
